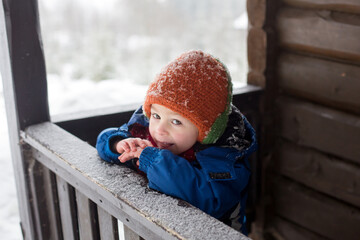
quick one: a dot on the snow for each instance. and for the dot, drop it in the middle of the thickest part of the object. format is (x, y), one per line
(241, 22)
(69, 96)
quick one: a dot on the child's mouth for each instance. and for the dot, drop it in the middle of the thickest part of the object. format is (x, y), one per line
(164, 145)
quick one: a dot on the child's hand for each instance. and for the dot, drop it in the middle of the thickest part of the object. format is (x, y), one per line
(126, 156)
(131, 148)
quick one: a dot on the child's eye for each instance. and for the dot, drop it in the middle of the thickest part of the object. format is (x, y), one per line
(176, 122)
(155, 115)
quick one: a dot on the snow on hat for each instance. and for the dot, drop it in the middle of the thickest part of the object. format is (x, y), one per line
(197, 86)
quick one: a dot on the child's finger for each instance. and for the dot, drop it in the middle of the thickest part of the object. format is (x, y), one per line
(148, 143)
(137, 142)
(127, 146)
(138, 152)
(121, 157)
(124, 157)
(120, 149)
(132, 145)
(143, 143)
(122, 146)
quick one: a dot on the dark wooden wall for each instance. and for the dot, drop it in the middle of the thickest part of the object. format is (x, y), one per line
(314, 183)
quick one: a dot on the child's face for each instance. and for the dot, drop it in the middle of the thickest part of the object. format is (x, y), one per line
(170, 130)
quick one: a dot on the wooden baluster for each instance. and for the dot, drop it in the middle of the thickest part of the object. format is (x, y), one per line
(87, 218)
(67, 203)
(130, 234)
(108, 225)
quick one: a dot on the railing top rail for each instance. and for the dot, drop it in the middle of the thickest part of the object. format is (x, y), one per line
(121, 191)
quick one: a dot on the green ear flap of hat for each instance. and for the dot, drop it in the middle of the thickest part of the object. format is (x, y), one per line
(220, 124)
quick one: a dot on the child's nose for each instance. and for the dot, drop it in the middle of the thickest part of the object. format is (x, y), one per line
(162, 128)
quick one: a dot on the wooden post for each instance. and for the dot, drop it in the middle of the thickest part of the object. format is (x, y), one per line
(25, 90)
(262, 54)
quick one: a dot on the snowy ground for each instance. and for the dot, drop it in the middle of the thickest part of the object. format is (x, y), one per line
(69, 96)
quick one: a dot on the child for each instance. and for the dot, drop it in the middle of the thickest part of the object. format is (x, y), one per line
(188, 139)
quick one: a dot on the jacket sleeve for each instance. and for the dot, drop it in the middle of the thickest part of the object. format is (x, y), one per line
(215, 188)
(106, 138)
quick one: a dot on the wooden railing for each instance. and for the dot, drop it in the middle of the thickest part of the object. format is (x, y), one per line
(84, 195)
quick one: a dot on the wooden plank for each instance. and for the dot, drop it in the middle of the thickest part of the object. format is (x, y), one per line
(87, 217)
(87, 125)
(38, 203)
(321, 172)
(256, 78)
(45, 204)
(257, 49)
(330, 83)
(52, 203)
(288, 230)
(66, 195)
(120, 191)
(320, 32)
(351, 6)
(316, 212)
(130, 235)
(321, 128)
(20, 163)
(27, 61)
(107, 225)
(256, 10)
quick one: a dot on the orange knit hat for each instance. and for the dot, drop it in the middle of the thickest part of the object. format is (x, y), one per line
(197, 86)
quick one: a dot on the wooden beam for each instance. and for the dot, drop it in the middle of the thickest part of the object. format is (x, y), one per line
(315, 212)
(330, 83)
(327, 130)
(256, 10)
(320, 32)
(288, 230)
(27, 61)
(351, 6)
(256, 42)
(329, 175)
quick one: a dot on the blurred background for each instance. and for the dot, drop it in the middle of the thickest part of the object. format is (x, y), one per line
(111, 50)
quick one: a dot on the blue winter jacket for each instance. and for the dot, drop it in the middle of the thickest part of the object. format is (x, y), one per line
(215, 183)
